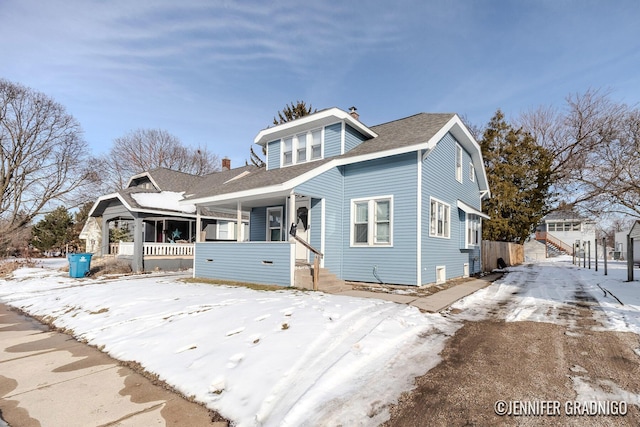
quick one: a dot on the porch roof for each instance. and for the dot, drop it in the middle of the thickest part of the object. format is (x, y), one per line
(125, 197)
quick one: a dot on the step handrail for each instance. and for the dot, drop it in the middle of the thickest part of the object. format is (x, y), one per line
(316, 258)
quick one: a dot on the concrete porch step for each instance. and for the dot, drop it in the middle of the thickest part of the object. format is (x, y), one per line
(328, 282)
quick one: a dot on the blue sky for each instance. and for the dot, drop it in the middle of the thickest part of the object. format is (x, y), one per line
(214, 73)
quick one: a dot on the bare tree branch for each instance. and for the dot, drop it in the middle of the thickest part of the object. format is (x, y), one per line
(43, 157)
(146, 149)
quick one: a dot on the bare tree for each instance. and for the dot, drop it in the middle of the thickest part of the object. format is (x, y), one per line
(146, 149)
(596, 152)
(43, 158)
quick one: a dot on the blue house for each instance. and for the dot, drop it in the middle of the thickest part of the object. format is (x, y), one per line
(396, 203)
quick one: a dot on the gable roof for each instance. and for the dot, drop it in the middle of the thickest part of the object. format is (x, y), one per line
(419, 132)
(166, 180)
(564, 215)
(319, 118)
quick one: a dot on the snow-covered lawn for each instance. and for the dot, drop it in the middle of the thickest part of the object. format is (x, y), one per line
(292, 357)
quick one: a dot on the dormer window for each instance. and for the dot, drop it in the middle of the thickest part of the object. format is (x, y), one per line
(316, 144)
(287, 151)
(302, 147)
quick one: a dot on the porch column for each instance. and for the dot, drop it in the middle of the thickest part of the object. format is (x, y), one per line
(239, 221)
(138, 242)
(291, 214)
(104, 247)
(198, 224)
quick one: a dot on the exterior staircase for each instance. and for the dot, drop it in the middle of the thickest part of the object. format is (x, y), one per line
(328, 282)
(554, 245)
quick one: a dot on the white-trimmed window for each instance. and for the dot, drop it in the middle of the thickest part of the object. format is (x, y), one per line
(316, 144)
(458, 163)
(302, 147)
(440, 219)
(372, 221)
(473, 230)
(472, 172)
(226, 230)
(274, 224)
(287, 151)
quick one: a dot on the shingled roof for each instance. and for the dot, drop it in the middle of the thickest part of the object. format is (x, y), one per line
(397, 134)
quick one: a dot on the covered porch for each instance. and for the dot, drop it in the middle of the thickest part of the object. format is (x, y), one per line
(269, 253)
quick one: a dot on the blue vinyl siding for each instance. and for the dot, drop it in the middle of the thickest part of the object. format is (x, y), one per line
(332, 140)
(475, 260)
(328, 186)
(391, 176)
(439, 181)
(273, 153)
(462, 223)
(352, 138)
(268, 263)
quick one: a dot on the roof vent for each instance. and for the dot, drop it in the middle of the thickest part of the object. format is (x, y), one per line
(354, 113)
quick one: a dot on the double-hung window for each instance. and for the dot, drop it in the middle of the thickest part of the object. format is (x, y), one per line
(473, 230)
(372, 221)
(287, 151)
(439, 219)
(302, 147)
(316, 144)
(274, 224)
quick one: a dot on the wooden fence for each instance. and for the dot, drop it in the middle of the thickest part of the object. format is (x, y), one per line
(511, 253)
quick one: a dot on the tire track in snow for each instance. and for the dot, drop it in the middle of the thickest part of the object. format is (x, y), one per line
(325, 352)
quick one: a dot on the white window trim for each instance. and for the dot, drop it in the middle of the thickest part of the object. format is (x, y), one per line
(371, 222)
(270, 209)
(295, 145)
(442, 280)
(458, 163)
(478, 221)
(431, 233)
(282, 153)
(472, 172)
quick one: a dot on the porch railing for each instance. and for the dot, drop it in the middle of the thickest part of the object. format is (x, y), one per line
(153, 249)
(168, 249)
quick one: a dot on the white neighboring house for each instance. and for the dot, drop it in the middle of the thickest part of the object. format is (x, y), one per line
(92, 234)
(562, 229)
(621, 243)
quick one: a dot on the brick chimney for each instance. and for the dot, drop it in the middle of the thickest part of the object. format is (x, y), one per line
(354, 113)
(226, 164)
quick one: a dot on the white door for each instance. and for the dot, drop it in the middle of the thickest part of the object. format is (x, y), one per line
(303, 217)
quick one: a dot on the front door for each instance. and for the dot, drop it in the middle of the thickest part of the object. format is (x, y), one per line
(303, 216)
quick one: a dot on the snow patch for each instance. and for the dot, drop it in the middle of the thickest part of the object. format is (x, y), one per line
(166, 200)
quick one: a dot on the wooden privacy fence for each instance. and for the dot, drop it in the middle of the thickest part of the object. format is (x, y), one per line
(511, 253)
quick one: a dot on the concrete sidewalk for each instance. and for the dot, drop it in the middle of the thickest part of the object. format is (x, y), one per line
(49, 379)
(435, 302)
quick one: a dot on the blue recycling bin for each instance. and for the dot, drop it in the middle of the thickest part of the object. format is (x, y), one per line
(79, 264)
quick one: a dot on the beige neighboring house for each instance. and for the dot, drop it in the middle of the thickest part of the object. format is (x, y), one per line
(621, 246)
(92, 234)
(562, 229)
